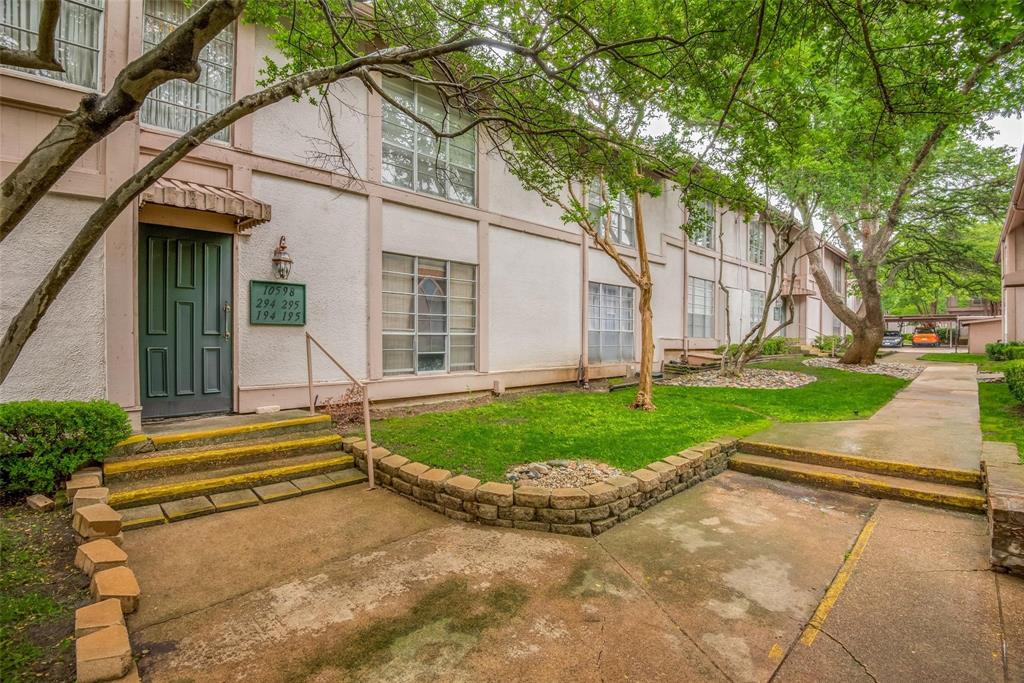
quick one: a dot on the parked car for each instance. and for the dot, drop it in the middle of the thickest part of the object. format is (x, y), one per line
(892, 339)
(925, 337)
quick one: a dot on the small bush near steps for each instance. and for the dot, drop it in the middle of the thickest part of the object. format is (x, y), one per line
(42, 442)
(1014, 374)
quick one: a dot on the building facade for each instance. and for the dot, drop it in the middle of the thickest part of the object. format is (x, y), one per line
(1011, 260)
(423, 283)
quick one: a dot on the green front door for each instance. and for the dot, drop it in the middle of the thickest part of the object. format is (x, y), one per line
(184, 321)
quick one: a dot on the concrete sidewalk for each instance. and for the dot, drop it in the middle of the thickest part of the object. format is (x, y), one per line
(932, 422)
(715, 584)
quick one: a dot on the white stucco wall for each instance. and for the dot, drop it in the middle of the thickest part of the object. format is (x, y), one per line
(66, 356)
(418, 232)
(296, 131)
(509, 198)
(534, 302)
(326, 231)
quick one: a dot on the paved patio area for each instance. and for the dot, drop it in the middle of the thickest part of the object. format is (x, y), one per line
(715, 584)
(932, 422)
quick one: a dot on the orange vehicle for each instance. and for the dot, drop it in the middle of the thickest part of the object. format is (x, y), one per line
(924, 336)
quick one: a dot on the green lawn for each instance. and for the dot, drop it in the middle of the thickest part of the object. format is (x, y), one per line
(1002, 418)
(978, 359)
(485, 440)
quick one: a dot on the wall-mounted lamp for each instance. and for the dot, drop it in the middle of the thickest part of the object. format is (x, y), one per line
(282, 260)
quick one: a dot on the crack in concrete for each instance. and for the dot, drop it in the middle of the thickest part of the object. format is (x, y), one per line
(838, 642)
(664, 611)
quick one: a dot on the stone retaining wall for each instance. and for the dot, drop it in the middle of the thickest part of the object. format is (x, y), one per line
(585, 511)
(1004, 494)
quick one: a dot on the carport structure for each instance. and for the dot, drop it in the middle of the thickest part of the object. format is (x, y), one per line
(953, 321)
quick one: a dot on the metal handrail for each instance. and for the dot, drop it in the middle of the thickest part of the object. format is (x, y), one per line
(366, 397)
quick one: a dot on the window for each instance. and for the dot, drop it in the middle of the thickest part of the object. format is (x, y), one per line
(778, 310)
(178, 104)
(413, 158)
(837, 326)
(700, 308)
(78, 36)
(704, 233)
(429, 315)
(620, 213)
(610, 332)
(838, 276)
(756, 306)
(755, 243)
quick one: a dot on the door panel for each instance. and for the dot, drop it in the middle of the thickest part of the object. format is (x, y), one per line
(184, 304)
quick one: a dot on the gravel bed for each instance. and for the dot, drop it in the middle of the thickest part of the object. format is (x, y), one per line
(555, 474)
(900, 370)
(750, 378)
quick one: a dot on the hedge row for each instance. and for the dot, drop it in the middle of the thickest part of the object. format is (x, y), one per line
(42, 442)
(1005, 350)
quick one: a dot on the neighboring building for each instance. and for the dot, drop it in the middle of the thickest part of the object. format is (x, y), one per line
(423, 286)
(1011, 260)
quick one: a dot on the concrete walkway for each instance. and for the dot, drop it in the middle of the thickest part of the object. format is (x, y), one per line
(715, 584)
(932, 422)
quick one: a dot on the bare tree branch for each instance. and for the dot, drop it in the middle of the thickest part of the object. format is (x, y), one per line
(44, 57)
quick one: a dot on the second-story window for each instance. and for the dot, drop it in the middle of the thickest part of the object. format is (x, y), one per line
(178, 104)
(79, 32)
(755, 243)
(619, 218)
(413, 158)
(704, 232)
(838, 276)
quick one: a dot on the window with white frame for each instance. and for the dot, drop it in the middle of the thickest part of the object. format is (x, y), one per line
(837, 326)
(700, 308)
(755, 243)
(778, 310)
(704, 231)
(756, 306)
(77, 40)
(429, 315)
(178, 104)
(610, 331)
(411, 157)
(618, 218)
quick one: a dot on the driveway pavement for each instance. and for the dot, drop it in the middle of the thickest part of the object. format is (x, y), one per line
(715, 584)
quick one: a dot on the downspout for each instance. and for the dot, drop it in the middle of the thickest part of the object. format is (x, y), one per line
(584, 312)
(686, 288)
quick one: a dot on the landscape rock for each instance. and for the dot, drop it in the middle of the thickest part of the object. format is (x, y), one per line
(39, 502)
(103, 655)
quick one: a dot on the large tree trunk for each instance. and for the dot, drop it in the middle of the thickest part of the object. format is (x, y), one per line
(644, 392)
(867, 339)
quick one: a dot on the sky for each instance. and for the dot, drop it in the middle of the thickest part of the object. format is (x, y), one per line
(1011, 132)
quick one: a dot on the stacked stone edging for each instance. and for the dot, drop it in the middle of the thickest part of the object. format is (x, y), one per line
(1004, 495)
(103, 651)
(583, 511)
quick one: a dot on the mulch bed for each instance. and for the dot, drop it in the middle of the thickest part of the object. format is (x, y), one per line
(900, 370)
(750, 378)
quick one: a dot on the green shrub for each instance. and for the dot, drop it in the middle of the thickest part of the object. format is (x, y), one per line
(42, 442)
(774, 346)
(1002, 350)
(1014, 352)
(1014, 374)
(771, 347)
(829, 343)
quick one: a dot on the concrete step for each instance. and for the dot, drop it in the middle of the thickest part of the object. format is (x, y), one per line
(228, 429)
(863, 483)
(168, 487)
(210, 457)
(904, 470)
(195, 506)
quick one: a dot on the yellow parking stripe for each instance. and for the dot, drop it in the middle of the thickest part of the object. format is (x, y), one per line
(838, 583)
